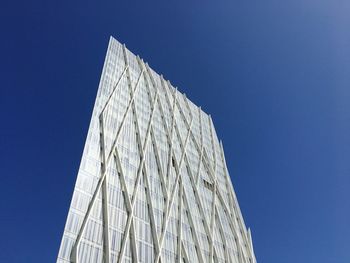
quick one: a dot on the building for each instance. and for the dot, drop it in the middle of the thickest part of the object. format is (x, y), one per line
(152, 184)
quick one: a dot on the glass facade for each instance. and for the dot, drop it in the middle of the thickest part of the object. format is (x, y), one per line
(153, 185)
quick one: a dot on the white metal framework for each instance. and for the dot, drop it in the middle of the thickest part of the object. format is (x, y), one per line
(153, 184)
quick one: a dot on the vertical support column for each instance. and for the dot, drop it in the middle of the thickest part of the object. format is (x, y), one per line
(215, 187)
(106, 248)
(212, 224)
(179, 229)
(201, 149)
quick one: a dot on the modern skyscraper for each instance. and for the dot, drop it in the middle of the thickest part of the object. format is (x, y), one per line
(153, 185)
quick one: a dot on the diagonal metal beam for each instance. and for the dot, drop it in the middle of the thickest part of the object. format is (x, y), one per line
(154, 141)
(141, 168)
(114, 89)
(236, 213)
(126, 200)
(209, 237)
(222, 233)
(195, 191)
(146, 177)
(194, 232)
(185, 256)
(177, 169)
(74, 254)
(207, 164)
(160, 171)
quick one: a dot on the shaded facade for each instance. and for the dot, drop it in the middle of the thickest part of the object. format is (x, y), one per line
(153, 185)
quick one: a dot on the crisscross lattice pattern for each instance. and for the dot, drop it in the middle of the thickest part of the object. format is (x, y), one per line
(153, 184)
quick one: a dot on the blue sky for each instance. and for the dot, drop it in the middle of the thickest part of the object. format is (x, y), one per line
(274, 75)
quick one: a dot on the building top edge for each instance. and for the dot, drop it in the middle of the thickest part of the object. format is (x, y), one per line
(159, 74)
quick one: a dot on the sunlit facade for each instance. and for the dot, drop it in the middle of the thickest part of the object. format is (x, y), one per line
(153, 185)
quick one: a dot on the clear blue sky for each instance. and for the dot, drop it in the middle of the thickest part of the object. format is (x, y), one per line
(275, 75)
